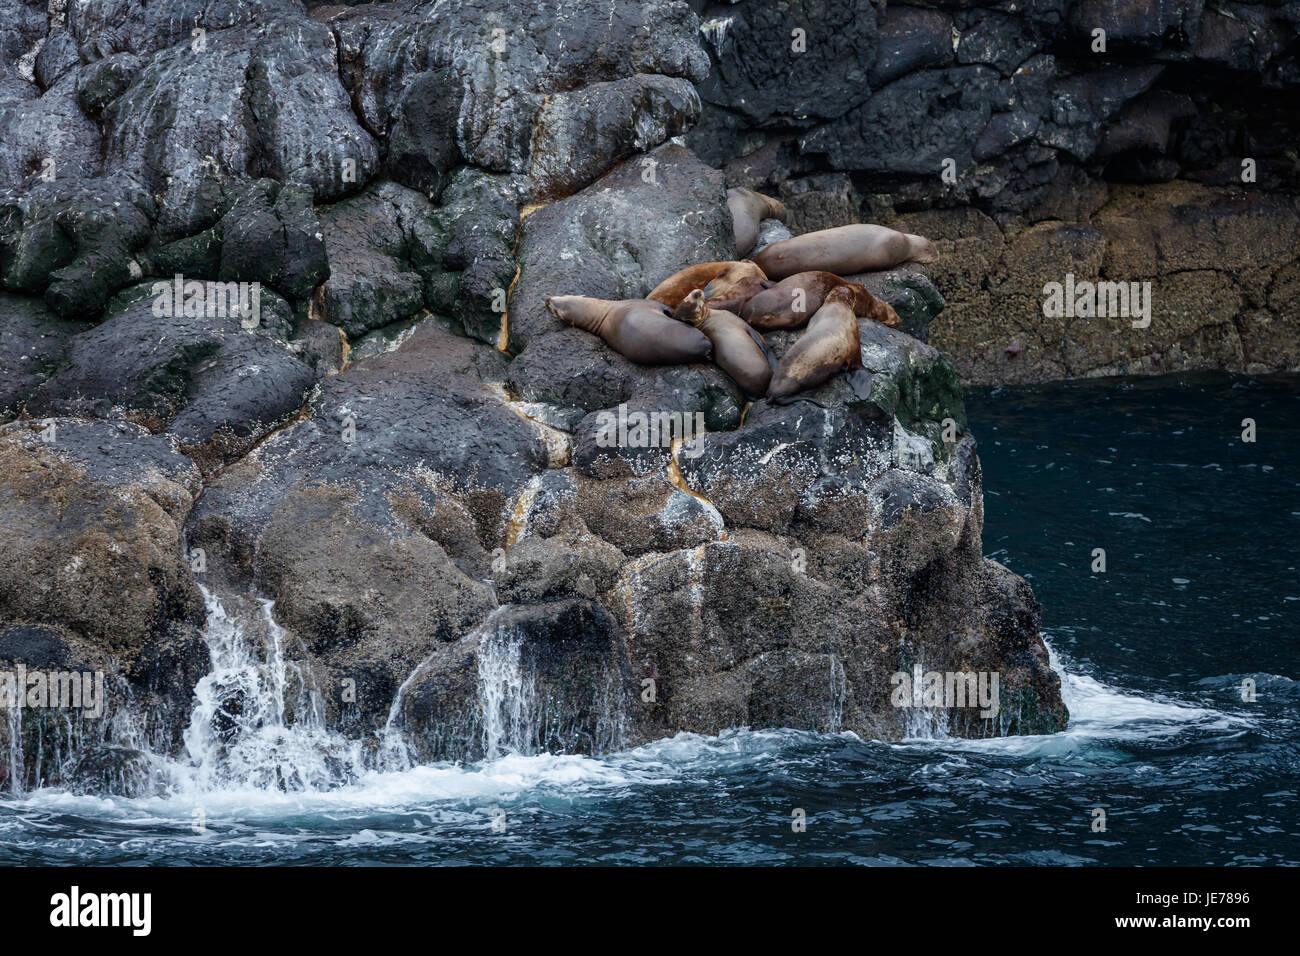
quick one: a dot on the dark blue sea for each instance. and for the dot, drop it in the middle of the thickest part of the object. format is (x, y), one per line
(1200, 594)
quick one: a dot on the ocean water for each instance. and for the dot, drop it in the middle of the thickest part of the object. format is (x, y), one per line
(1200, 593)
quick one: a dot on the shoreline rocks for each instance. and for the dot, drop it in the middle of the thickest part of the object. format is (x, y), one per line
(404, 452)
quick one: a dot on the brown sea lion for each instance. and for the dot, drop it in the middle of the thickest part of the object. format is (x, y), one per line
(789, 303)
(717, 277)
(737, 349)
(748, 209)
(639, 329)
(733, 297)
(830, 345)
(844, 250)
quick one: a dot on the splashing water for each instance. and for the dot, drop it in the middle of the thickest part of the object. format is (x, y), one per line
(396, 752)
(258, 720)
(507, 695)
(14, 725)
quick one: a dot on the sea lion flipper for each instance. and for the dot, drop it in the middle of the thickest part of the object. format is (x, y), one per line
(763, 347)
(860, 382)
(798, 397)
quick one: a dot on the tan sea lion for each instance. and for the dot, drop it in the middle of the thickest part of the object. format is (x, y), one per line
(844, 250)
(782, 307)
(748, 209)
(639, 329)
(737, 349)
(830, 345)
(717, 277)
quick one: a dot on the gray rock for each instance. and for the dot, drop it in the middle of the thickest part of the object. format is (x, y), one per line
(637, 225)
(73, 241)
(48, 138)
(911, 294)
(770, 231)
(580, 134)
(33, 344)
(422, 147)
(570, 653)
(759, 73)
(264, 232)
(910, 39)
(143, 28)
(214, 385)
(996, 39)
(58, 55)
(479, 217)
(104, 80)
(94, 511)
(468, 53)
(378, 243)
(404, 469)
(433, 506)
(913, 124)
(787, 459)
(260, 100)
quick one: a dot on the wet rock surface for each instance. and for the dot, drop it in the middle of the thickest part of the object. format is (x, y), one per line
(406, 452)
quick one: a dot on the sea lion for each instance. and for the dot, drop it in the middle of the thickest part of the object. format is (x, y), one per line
(737, 349)
(844, 250)
(781, 307)
(639, 329)
(716, 276)
(830, 345)
(748, 209)
(733, 297)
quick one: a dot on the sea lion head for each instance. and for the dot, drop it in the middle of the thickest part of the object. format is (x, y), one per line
(923, 250)
(579, 311)
(693, 310)
(884, 313)
(867, 306)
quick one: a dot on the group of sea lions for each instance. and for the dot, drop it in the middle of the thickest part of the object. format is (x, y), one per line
(718, 310)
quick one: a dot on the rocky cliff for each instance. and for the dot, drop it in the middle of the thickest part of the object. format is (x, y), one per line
(1126, 141)
(399, 446)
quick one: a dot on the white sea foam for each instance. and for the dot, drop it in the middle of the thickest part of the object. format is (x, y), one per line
(276, 760)
(1100, 713)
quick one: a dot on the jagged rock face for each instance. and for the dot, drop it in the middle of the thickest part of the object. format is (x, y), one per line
(213, 384)
(405, 451)
(795, 62)
(94, 578)
(95, 511)
(775, 573)
(33, 344)
(638, 225)
(516, 72)
(1035, 141)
